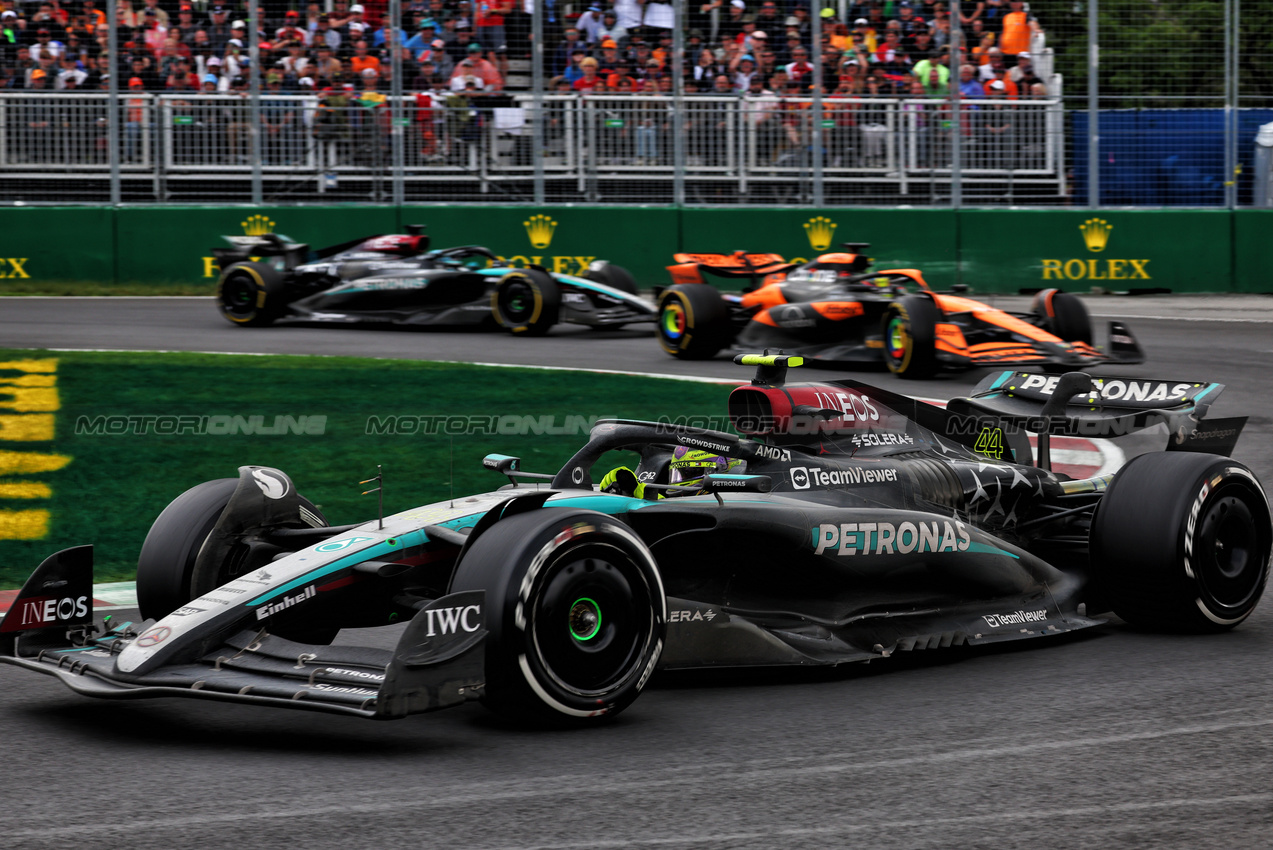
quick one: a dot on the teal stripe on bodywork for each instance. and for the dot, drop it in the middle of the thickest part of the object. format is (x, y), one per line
(412, 538)
(987, 549)
(1003, 379)
(605, 503)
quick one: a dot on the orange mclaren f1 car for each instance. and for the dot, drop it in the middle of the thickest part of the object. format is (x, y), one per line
(836, 311)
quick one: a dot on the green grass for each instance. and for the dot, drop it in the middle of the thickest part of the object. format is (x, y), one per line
(96, 287)
(115, 485)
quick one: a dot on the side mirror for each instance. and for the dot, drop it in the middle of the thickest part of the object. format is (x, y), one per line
(503, 464)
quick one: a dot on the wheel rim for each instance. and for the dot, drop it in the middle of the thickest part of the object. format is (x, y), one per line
(672, 322)
(1228, 552)
(239, 296)
(585, 619)
(592, 620)
(896, 340)
(517, 300)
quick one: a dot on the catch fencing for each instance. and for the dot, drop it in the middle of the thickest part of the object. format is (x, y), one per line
(1056, 103)
(597, 148)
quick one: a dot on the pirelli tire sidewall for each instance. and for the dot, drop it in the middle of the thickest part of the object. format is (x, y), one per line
(693, 321)
(1182, 542)
(1063, 315)
(251, 294)
(536, 568)
(526, 302)
(909, 328)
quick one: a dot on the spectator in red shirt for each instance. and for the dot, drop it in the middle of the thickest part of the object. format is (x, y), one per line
(589, 80)
(489, 20)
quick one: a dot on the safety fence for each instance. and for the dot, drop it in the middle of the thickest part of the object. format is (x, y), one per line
(596, 148)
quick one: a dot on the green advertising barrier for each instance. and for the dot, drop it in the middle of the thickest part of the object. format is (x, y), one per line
(1078, 250)
(1252, 252)
(989, 250)
(561, 239)
(56, 244)
(920, 239)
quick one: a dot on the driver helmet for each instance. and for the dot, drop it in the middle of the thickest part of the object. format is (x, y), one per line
(688, 466)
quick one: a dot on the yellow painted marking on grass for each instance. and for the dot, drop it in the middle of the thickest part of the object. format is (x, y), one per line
(30, 381)
(28, 463)
(25, 490)
(28, 401)
(30, 428)
(24, 525)
(48, 364)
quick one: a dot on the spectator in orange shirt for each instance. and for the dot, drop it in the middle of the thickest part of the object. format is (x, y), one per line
(1018, 26)
(620, 79)
(361, 60)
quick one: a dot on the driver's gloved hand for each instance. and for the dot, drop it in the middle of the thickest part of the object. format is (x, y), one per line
(622, 481)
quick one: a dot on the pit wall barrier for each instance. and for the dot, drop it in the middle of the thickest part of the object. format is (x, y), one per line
(1001, 251)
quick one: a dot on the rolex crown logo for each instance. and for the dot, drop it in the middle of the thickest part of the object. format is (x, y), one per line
(540, 229)
(258, 225)
(1096, 233)
(820, 231)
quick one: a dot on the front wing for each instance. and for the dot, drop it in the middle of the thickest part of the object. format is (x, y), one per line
(438, 662)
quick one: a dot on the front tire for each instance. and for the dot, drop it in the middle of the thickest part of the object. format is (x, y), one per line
(526, 302)
(1181, 542)
(1063, 315)
(910, 337)
(165, 567)
(694, 322)
(576, 614)
(251, 294)
(613, 276)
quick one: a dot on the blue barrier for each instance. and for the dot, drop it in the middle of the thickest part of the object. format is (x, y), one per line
(1164, 157)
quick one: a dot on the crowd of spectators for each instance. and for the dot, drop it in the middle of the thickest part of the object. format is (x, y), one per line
(454, 53)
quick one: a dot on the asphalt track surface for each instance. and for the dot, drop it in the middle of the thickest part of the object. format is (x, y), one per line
(1114, 738)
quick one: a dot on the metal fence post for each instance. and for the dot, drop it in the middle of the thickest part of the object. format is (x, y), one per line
(957, 124)
(816, 107)
(112, 110)
(678, 104)
(1230, 104)
(1093, 106)
(254, 80)
(537, 83)
(398, 120)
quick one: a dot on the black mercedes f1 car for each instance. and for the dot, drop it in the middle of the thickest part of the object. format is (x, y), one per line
(835, 311)
(395, 279)
(854, 524)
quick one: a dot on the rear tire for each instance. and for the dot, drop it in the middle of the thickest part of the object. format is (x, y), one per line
(575, 612)
(1063, 315)
(251, 294)
(165, 567)
(526, 302)
(1181, 542)
(693, 322)
(910, 337)
(613, 276)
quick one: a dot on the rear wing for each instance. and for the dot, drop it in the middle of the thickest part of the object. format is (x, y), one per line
(265, 245)
(1076, 404)
(689, 268)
